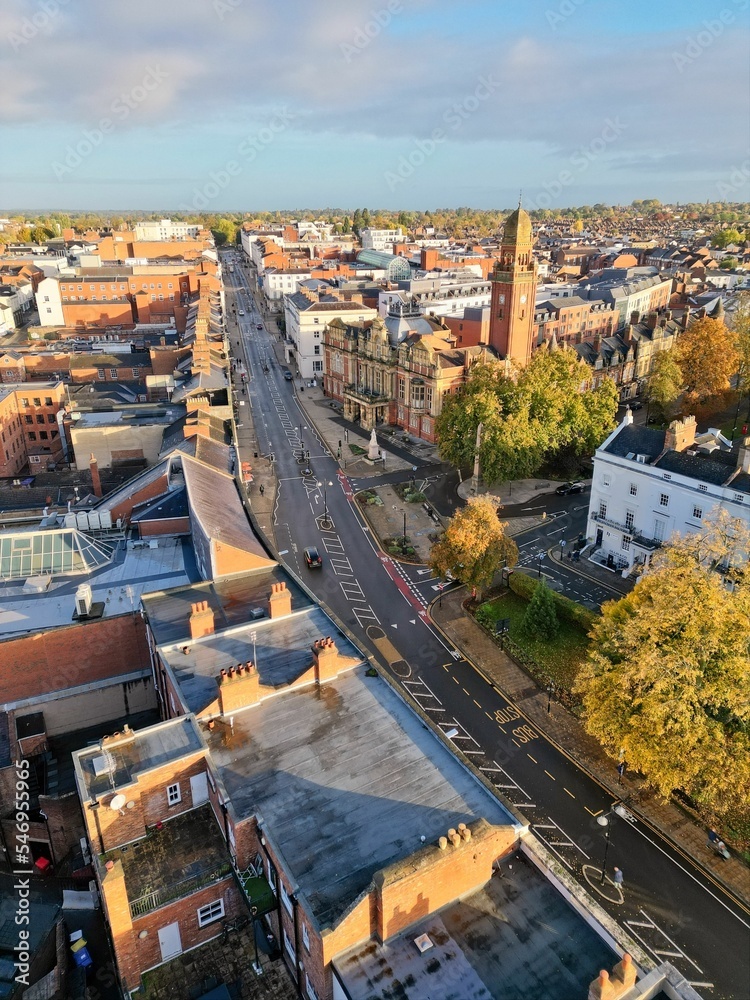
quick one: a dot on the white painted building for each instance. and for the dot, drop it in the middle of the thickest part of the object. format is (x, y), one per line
(381, 239)
(650, 484)
(307, 316)
(165, 229)
(49, 303)
(277, 284)
(445, 295)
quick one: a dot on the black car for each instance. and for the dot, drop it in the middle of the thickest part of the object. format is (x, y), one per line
(287, 375)
(259, 326)
(313, 558)
(635, 404)
(568, 488)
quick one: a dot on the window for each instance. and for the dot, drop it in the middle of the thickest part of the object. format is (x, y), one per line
(32, 436)
(37, 401)
(43, 435)
(633, 490)
(305, 937)
(666, 476)
(317, 366)
(703, 488)
(664, 500)
(698, 513)
(135, 372)
(51, 418)
(113, 373)
(285, 899)
(48, 401)
(29, 419)
(100, 374)
(173, 794)
(317, 349)
(602, 509)
(739, 497)
(312, 995)
(210, 912)
(24, 401)
(629, 519)
(40, 418)
(625, 543)
(289, 946)
(659, 530)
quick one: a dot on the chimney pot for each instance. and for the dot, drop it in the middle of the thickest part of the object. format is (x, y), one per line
(455, 840)
(442, 843)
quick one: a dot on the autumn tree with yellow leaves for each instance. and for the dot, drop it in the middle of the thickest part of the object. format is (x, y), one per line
(708, 357)
(667, 680)
(474, 545)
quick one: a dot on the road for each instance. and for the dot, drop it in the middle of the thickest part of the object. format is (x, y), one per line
(672, 907)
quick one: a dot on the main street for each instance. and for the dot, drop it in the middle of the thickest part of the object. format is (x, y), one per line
(672, 907)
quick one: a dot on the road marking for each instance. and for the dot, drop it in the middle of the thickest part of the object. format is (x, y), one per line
(284, 552)
(594, 814)
(490, 716)
(352, 591)
(531, 758)
(648, 924)
(569, 793)
(456, 680)
(550, 776)
(477, 703)
(466, 692)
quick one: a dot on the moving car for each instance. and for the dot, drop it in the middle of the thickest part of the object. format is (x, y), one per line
(313, 558)
(242, 312)
(259, 326)
(287, 375)
(635, 404)
(567, 488)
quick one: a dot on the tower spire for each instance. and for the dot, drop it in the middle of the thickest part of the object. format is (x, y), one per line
(520, 197)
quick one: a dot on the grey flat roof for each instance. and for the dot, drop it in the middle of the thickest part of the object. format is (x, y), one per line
(148, 749)
(282, 653)
(347, 779)
(516, 937)
(231, 598)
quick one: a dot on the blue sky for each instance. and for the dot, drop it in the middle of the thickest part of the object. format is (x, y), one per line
(263, 104)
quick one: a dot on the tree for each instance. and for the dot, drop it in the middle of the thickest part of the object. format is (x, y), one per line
(741, 327)
(541, 617)
(664, 383)
(224, 231)
(725, 237)
(474, 545)
(668, 672)
(529, 415)
(707, 356)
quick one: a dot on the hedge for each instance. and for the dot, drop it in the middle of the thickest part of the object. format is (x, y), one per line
(569, 611)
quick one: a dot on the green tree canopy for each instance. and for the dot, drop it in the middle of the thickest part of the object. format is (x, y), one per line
(528, 415)
(725, 237)
(541, 616)
(664, 383)
(474, 545)
(668, 674)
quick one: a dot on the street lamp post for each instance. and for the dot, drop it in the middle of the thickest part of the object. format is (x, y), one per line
(324, 487)
(403, 537)
(550, 692)
(605, 820)
(541, 560)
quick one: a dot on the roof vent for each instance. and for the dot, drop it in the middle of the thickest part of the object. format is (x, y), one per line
(103, 765)
(423, 943)
(641, 459)
(630, 455)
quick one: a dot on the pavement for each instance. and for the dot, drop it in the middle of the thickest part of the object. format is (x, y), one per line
(564, 730)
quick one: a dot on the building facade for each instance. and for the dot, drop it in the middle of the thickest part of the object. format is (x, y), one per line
(31, 427)
(514, 281)
(651, 484)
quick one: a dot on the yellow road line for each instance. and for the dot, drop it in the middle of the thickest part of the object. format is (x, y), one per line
(490, 716)
(456, 679)
(593, 813)
(569, 793)
(531, 758)
(477, 703)
(466, 692)
(550, 776)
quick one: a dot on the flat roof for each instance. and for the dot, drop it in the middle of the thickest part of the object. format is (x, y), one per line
(516, 937)
(281, 652)
(348, 780)
(145, 750)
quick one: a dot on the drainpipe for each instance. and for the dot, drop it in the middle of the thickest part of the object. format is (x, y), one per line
(271, 865)
(226, 830)
(297, 959)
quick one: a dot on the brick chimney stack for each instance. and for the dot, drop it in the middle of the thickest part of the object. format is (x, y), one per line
(280, 601)
(201, 620)
(325, 659)
(621, 983)
(681, 435)
(96, 482)
(651, 320)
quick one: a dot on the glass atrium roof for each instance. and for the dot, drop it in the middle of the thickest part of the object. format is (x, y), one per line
(59, 552)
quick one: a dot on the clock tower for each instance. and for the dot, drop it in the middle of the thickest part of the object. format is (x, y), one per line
(514, 291)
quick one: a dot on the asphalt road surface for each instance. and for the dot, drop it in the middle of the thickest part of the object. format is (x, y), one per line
(676, 911)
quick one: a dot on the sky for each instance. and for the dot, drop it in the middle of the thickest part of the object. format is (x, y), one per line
(256, 105)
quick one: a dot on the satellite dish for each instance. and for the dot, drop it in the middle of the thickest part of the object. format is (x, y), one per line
(117, 803)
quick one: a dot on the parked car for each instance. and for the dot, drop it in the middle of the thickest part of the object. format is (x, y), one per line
(287, 375)
(567, 488)
(635, 404)
(242, 312)
(259, 326)
(313, 558)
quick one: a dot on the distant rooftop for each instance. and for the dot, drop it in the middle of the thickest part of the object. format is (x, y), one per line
(348, 780)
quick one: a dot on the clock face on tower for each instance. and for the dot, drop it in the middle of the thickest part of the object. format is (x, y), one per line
(501, 299)
(523, 299)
